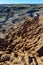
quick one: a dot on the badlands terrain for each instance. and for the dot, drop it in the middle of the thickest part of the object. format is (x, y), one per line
(21, 34)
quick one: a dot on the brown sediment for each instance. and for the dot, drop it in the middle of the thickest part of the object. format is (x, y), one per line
(22, 44)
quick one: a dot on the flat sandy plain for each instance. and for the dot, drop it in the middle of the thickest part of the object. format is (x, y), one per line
(21, 34)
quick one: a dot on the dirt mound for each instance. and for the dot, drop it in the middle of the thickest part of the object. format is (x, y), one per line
(22, 44)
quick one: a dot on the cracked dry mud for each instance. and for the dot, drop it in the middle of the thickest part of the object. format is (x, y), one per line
(22, 44)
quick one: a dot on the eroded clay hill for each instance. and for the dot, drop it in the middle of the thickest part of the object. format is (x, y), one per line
(22, 44)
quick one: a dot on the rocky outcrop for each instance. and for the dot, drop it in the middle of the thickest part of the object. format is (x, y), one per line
(22, 44)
